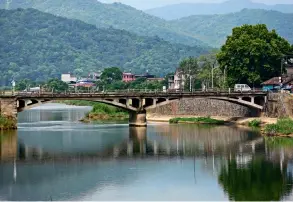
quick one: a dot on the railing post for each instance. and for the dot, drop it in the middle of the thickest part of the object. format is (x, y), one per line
(229, 90)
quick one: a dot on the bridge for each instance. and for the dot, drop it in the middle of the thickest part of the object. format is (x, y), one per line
(136, 103)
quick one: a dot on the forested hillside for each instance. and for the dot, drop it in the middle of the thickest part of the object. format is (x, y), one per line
(39, 46)
(172, 12)
(117, 15)
(214, 29)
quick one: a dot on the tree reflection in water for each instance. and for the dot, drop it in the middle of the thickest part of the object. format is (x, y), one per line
(259, 180)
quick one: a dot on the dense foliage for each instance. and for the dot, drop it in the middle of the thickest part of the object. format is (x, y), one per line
(213, 29)
(50, 45)
(114, 15)
(252, 54)
(198, 120)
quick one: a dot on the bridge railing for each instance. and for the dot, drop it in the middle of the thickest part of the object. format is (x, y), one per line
(136, 91)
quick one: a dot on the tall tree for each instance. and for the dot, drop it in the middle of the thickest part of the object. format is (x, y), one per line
(111, 74)
(252, 54)
(190, 69)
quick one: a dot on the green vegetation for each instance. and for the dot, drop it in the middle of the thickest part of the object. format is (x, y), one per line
(282, 127)
(199, 120)
(7, 124)
(50, 45)
(254, 123)
(116, 15)
(252, 54)
(214, 29)
(258, 180)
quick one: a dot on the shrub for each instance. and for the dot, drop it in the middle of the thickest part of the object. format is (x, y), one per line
(283, 126)
(254, 123)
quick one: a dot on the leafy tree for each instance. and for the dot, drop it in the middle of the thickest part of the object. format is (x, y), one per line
(56, 85)
(24, 84)
(260, 180)
(252, 54)
(111, 74)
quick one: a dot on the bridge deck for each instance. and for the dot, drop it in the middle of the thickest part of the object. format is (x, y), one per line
(133, 94)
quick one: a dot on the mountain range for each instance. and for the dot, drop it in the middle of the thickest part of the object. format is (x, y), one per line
(116, 15)
(38, 45)
(213, 29)
(176, 11)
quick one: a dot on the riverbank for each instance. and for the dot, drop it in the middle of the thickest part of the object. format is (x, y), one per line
(99, 111)
(7, 124)
(232, 120)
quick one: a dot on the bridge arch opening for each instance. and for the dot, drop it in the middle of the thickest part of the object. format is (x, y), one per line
(259, 100)
(247, 99)
(160, 100)
(122, 101)
(149, 102)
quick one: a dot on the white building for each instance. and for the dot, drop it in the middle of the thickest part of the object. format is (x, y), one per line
(177, 81)
(68, 78)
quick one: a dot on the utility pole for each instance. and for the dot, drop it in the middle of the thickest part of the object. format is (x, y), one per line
(213, 76)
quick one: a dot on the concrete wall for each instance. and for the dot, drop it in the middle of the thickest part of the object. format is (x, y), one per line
(204, 107)
(279, 105)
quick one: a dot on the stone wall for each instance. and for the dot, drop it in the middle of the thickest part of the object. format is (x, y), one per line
(204, 107)
(8, 108)
(279, 105)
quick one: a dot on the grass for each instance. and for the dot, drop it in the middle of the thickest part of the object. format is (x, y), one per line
(6, 124)
(202, 120)
(282, 127)
(254, 123)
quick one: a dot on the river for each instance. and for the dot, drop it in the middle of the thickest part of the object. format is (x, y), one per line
(53, 156)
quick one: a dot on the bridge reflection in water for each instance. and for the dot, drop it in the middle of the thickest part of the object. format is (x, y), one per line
(65, 170)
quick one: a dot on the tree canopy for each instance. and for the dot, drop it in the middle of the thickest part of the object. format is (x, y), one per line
(112, 74)
(252, 54)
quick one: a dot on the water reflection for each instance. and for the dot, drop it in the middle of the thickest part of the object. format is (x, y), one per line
(258, 180)
(68, 160)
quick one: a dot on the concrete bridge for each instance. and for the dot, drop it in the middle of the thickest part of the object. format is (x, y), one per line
(135, 102)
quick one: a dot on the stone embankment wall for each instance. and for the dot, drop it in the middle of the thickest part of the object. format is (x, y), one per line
(279, 105)
(8, 108)
(204, 107)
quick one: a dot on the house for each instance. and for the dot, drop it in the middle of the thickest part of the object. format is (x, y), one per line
(68, 78)
(177, 81)
(128, 77)
(277, 83)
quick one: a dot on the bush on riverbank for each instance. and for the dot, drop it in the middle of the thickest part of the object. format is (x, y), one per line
(198, 120)
(254, 123)
(7, 124)
(282, 127)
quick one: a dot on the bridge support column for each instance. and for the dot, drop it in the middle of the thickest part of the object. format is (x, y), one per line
(137, 119)
(8, 109)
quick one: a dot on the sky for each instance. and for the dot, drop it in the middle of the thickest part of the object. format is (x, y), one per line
(146, 4)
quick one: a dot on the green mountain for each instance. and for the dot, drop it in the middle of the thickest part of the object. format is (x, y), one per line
(39, 46)
(177, 11)
(116, 15)
(213, 29)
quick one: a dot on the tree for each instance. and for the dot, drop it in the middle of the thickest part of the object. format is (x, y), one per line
(24, 84)
(56, 85)
(260, 180)
(252, 54)
(189, 66)
(111, 74)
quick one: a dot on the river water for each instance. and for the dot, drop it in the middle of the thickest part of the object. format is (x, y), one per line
(55, 157)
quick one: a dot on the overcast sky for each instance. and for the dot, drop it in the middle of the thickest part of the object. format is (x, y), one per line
(145, 4)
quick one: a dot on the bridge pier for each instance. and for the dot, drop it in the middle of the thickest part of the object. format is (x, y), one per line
(137, 119)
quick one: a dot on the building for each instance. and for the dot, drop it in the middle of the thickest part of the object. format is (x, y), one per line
(68, 78)
(277, 83)
(128, 77)
(177, 81)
